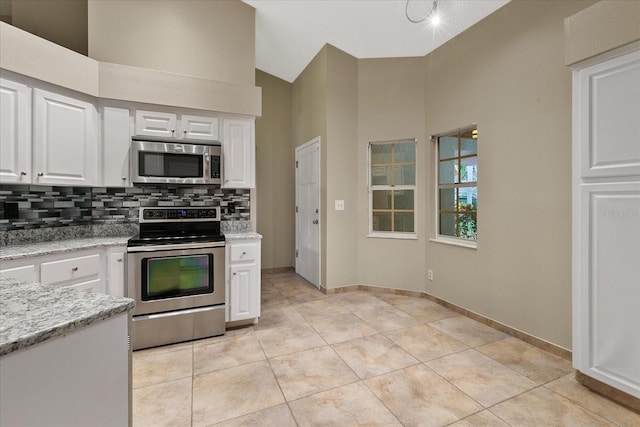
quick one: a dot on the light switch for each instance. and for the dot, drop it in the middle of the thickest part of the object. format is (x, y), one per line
(339, 205)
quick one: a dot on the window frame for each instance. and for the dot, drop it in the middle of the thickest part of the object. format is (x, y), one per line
(443, 238)
(407, 235)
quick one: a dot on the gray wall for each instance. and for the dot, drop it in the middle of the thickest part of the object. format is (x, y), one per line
(214, 40)
(275, 177)
(507, 74)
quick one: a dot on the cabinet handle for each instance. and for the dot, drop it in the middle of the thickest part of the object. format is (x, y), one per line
(119, 259)
(173, 130)
(124, 178)
(244, 253)
(185, 131)
(40, 173)
(235, 274)
(74, 269)
(23, 173)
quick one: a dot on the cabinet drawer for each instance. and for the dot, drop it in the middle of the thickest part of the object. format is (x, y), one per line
(70, 269)
(90, 286)
(243, 252)
(27, 272)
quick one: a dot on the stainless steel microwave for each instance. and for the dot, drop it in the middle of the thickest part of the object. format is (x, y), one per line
(174, 162)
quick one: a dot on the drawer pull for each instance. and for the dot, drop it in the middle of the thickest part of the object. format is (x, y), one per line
(74, 269)
(119, 260)
(244, 253)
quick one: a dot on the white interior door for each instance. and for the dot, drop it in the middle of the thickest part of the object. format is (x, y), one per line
(308, 211)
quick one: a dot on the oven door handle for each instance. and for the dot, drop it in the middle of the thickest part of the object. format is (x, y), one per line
(155, 248)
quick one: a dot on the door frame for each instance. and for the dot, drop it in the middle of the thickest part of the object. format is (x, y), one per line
(316, 140)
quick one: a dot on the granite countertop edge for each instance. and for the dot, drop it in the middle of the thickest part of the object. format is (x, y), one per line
(15, 252)
(248, 235)
(31, 313)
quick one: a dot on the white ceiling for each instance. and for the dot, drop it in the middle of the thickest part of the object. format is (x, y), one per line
(289, 33)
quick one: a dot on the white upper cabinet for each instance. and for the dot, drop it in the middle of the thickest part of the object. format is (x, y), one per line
(199, 127)
(238, 153)
(15, 132)
(116, 140)
(172, 125)
(607, 112)
(65, 146)
(154, 123)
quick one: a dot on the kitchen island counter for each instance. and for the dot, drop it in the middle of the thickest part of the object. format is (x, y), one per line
(31, 313)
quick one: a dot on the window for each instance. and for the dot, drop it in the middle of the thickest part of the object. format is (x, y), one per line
(392, 188)
(458, 184)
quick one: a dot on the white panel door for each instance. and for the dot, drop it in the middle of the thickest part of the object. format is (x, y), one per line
(116, 140)
(610, 342)
(608, 105)
(154, 123)
(199, 127)
(238, 153)
(15, 132)
(65, 145)
(308, 211)
(244, 297)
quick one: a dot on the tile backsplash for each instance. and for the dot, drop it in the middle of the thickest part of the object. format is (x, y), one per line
(24, 207)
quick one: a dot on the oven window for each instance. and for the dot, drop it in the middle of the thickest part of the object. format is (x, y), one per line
(171, 165)
(170, 277)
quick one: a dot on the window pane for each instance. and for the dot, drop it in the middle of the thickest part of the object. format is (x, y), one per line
(448, 224)
(469, 169)
(381, 221)
(381, 199)
(403, 222)
(448, 172)
(403, 199)
(380, 153)
(468, 199)
(405, 153)
(380, 175)
(468, 146)
(467, 226)
(405, 175)
(447, 147)
(447, 199)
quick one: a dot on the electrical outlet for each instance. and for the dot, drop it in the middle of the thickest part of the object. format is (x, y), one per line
(430, 274)
(339, 205)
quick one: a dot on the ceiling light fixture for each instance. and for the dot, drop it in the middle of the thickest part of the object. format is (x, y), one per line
(433, 16)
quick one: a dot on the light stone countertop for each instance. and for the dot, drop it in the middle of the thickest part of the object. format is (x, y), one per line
(31, 313)
(13, 252)
(242, 236)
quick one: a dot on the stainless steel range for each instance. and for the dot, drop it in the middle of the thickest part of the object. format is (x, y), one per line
(176, 274)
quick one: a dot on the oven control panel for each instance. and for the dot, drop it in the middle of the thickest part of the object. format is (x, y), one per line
(171, 214)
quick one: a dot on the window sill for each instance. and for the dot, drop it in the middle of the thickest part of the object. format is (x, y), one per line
(405, 236)
(471, 244)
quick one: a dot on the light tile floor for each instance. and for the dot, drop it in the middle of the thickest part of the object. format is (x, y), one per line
(360, 358)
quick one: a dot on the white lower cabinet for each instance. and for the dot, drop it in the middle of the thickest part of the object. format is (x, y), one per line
(96, 270)
(243, 280)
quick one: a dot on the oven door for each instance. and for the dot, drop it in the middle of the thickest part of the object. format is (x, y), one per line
(174, 277)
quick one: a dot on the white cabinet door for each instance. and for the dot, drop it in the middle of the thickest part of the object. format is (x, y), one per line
(116, 140)
(115, 271)
(15, 132)
(25, 272)
(243, 280)
(238, 153)
(64, 141)
(154, 123)
(244, 297)
(607, 110)
(199, 127)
